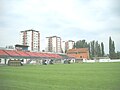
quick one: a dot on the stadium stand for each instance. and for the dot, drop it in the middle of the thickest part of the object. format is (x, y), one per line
(47, 55)
(64, 56)
(2, 53)
(22, 53)
(57, 56)
(29, 56)
(11, 52)
(32, 54)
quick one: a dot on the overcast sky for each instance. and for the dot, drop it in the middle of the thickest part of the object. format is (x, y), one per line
(68, 19)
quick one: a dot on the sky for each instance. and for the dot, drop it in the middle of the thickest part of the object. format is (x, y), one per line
(68, 19)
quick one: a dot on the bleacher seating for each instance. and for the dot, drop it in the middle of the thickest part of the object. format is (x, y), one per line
(27, 54)
(2, 53)
(39, 54)
(56, 56)
(22, 53)
(47, 55)
(32, 54)
(11, 52)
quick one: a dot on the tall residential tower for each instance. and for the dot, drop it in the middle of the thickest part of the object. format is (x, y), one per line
(66, 45)
(30, 38)
(53, 44)
(70, 44)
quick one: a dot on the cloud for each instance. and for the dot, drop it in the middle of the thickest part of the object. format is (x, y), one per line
(73, 19)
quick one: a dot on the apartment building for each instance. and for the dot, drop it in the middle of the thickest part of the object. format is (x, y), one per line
(30, 38)
(70, 44)
(66, 45)
(63, 46)
(53, 44)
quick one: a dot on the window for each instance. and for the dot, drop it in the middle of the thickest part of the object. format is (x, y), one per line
(80, 56)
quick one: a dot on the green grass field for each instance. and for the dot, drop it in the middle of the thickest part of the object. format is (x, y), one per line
(85, 76)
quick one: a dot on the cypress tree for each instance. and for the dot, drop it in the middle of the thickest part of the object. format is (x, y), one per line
(99, 51)
(93, 48)
(111, 49)
(102, 49)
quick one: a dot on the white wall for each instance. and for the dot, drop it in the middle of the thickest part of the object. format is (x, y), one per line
(54, 44)
(88, 61)
(70, 45)
(103, 60)
(115, 60)
(63, 46)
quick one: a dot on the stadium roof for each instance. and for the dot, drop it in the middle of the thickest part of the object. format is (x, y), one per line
(27, 54)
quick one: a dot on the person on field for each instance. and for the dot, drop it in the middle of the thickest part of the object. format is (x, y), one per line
(45, 62)
(51, 61)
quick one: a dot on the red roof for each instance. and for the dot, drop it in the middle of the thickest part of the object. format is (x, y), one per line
(2, 53)
(47, 55)
(11, 52)
(55, 56)
(22, 53)
(28, 54)
(82, 50)
(32, 54)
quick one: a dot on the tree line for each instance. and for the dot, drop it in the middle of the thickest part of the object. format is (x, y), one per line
(96, 49)
(112, 53)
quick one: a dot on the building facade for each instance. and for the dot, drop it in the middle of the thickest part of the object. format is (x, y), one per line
(63, 47)
(30, 38)
(70, 44)
(66, 45)
(53, 44)
(79, 53)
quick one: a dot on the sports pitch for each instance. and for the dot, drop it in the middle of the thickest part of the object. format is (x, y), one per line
(80, 76)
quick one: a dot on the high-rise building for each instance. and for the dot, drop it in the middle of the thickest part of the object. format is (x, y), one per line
(66, 45)
(70, 44)
(53, 44)
(30, 38)
(63, 46)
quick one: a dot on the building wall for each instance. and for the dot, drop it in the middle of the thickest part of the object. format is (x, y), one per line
(67, 45)
(53, 44)
(80, 53)
(70, 44)
(63, 46)
(59, 45)
(30, 38)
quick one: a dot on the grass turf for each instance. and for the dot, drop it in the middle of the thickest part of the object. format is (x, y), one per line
(86, 76)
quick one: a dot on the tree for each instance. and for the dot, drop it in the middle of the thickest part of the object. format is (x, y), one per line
(81, 44)
(96, 49)
(111, 49)
(118, 55)
(102, 49)
(99, 51)
(93, 48)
